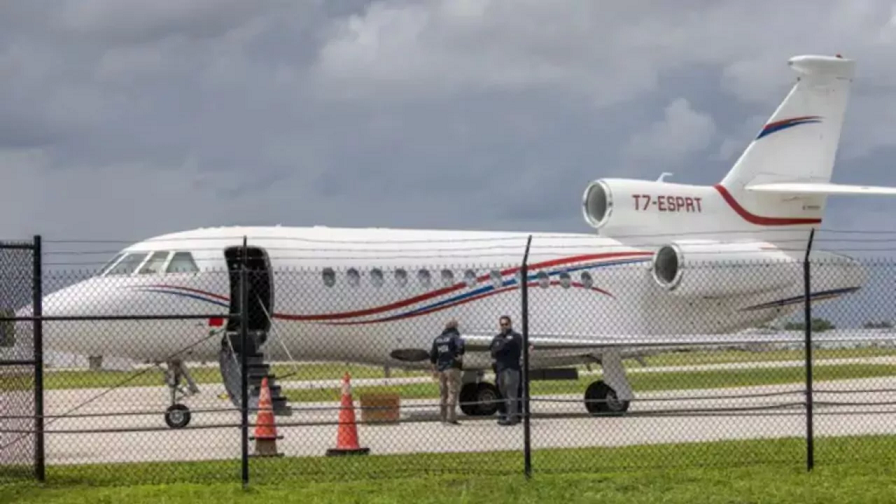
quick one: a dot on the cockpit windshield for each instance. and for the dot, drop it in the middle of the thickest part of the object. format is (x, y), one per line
(128, 264)
(155, 263)
(106, 267)
(150, 263)
(182, 262)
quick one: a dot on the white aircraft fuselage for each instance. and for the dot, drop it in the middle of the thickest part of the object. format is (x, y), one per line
(595, 286)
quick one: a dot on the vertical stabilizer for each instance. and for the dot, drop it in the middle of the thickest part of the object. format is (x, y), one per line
(799, 142)
(798, 145)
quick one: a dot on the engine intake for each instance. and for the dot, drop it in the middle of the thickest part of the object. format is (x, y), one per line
(667, 267)
(597, 204)
(709, 269)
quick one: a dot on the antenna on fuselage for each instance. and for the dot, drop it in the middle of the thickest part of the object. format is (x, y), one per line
(664, 175)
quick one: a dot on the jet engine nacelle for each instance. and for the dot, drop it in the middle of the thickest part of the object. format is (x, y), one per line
(627, 206)
(708, 268)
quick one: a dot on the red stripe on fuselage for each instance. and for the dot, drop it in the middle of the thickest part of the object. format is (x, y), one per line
(457, 303)
(460, 286)
(758, 219)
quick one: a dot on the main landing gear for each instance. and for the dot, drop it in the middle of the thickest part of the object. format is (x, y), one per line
(601, 399)
(479, 399)
(483, 399)
(177, 416)
(613, 394)
(607, 397)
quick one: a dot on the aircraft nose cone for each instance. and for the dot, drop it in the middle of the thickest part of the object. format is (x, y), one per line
(83, 299)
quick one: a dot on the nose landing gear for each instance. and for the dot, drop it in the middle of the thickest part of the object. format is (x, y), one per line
(177, 416)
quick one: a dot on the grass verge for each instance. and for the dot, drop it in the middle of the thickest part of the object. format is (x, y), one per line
(849, 469)
(77, 379)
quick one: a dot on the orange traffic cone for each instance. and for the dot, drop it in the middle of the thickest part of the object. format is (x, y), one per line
(347, 435)
(265, 430)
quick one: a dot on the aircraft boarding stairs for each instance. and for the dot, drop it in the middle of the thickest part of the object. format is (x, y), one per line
(230, 361)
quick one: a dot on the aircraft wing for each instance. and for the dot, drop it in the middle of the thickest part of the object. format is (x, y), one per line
(587, 344)
(821, 188)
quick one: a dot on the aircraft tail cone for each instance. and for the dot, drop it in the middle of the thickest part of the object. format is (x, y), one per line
(265, 429)
(347, 435)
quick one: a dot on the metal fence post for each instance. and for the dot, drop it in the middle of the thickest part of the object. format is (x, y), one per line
(244, 358)
(807, 293)
(38, 341)
(527, 434)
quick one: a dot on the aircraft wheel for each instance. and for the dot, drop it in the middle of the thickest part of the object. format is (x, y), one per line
(608, 402)
(487, 394)
(468, 395)
(177, 416)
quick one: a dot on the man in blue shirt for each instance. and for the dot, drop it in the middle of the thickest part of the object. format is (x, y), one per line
(506, 349)
(446, 360)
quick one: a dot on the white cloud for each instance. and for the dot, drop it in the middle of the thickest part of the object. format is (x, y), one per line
(731, 147)
(682, 132)
(601, 51)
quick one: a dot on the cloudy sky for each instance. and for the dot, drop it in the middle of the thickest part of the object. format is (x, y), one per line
(122, 119)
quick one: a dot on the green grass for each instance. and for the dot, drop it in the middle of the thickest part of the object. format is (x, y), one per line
(64, 379)
(76, 379)
(849, 469)
(731, 356)
(641, 382)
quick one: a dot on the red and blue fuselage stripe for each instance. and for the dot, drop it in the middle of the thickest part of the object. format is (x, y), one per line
(506, 285)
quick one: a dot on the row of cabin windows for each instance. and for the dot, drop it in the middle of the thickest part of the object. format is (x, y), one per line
(424, 278)
(149, 263)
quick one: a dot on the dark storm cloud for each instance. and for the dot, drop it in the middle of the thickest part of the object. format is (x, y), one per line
(443, 114)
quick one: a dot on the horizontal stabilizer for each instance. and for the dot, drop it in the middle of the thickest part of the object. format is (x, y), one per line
(820, 188)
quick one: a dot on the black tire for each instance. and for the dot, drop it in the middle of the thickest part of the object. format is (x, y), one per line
(606, 401)
(177, 416)
(468, 395)
(487, 394)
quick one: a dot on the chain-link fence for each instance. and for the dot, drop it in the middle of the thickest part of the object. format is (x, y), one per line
(21, 437)
(621, 361)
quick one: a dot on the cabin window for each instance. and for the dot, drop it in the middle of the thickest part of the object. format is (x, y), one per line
(154, 265)
(544, 281)
(497, 278)
(182, 262)
(376, 277)
(401, 277)
(424, 278)
(470, 278)
(128, 265)
(447, 277)
(329, 277)
(354, 278)
(565, 280)
(587, 281)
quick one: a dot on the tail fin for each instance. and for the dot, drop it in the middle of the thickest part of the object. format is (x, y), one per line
(799, 142)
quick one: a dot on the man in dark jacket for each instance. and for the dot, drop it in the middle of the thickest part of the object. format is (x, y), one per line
(446, 359)
(506, 349)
